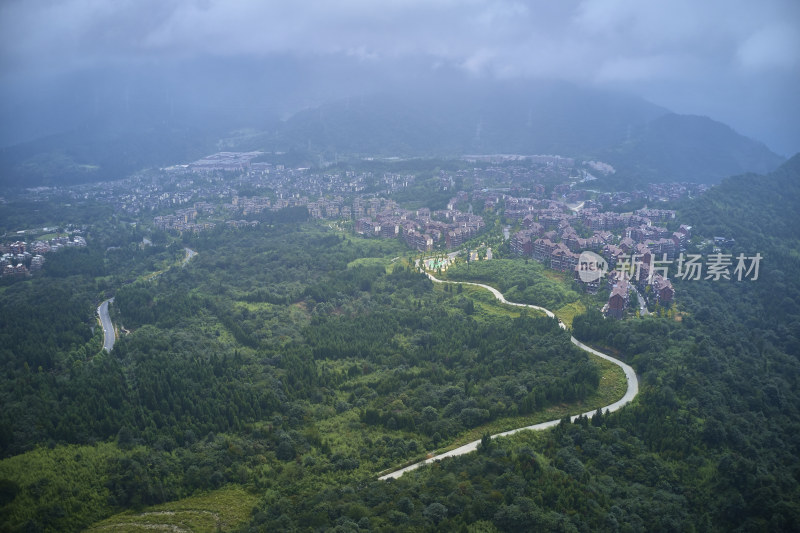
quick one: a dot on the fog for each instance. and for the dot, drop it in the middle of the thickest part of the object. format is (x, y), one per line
(246, 62)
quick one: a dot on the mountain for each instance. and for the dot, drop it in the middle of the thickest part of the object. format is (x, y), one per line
(90, 154)
(689, 148)
(111, 144)
(481, 118)
(644, 141)
(754, 208)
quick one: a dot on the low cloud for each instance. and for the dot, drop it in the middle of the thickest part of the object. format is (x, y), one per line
(626, 44)
(477, 34)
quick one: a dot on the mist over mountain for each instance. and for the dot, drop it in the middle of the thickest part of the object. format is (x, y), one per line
(279, 340)
(457, 119)
(457, 78)
(646, 142)
(126, 127)
(690, 148)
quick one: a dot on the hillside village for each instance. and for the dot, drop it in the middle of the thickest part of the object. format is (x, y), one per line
(555, 220)
(550, 232)
(19, 259)
(636, 246)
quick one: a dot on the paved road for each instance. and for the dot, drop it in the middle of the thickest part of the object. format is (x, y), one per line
(630, 394)
(642, 304)
(109, 336)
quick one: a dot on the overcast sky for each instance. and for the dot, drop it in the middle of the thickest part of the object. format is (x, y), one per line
(735, 61)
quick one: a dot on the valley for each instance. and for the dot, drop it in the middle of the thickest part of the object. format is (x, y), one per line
(295, 359)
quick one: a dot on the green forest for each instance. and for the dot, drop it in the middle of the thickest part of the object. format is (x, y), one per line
(271, 379)
(275, 349)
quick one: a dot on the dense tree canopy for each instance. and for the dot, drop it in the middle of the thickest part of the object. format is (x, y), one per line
(299, 362)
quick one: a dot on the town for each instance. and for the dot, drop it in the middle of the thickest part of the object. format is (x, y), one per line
(538, 201)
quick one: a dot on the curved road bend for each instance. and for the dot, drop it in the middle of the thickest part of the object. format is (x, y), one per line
(630, 394)
(109, 335)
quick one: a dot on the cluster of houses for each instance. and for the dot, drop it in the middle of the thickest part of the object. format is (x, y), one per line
(374, 217)
(335, 208)
(421, 229)
(187, 219)
(674, 191)
(183, 220)
(20, 259)
(632, 244)
(640, 275)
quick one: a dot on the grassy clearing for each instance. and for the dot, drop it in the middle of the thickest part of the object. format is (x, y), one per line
(299, 314)
(567, 313)
(255, 306)
(219, 510)
(554, 275)
(486, 305)
(348, 436)
(369, 261)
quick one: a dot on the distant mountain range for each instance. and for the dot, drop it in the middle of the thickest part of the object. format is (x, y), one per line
(689, 148)
(643, 141)
(545, 118)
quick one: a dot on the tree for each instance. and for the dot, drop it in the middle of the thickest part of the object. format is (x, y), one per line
(125, 437)
(436, 512)
(285, 450)
(486, 443)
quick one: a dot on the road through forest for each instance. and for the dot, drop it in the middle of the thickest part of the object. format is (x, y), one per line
(109, 334)
(630, 393)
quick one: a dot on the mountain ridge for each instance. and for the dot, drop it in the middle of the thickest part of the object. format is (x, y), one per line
(645, 142)
(677, 144)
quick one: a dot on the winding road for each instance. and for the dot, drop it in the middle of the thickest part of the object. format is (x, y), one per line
(109, 335)
(630, 394)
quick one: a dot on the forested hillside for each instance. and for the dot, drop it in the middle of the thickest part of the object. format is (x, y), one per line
(711, 444)
(688, 148)
(287, 359)
(297, 363)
